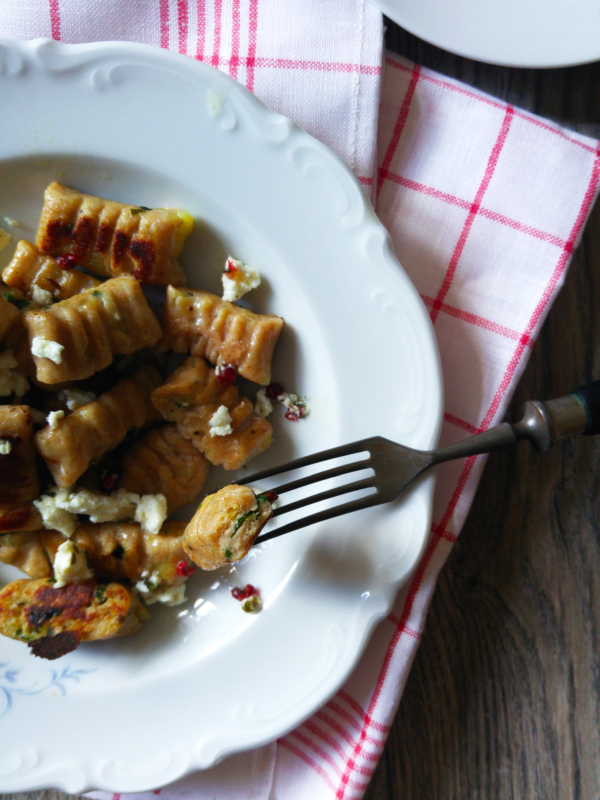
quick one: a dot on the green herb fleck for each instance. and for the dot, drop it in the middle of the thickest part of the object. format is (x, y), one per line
(227, 553)
(252, 604)
(140, 209)
(20, 304)
(100, 595)
(96, 293)
(240, 520)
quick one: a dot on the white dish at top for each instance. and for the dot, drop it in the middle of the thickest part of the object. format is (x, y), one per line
(204, 680)
(512, 33)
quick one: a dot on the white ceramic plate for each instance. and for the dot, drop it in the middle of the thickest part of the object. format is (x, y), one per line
(201, 681)
(513, 33)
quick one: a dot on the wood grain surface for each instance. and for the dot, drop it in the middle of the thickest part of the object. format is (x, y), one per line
(503, 700)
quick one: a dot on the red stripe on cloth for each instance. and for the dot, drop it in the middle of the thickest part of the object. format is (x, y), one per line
(428, 190)
(548, 291)
(473, 211)
(323, 755)
(543, 236)
(377, 743)
(218, 6)
(164, 24)
(409, 631)
(481, 322)
(461, 423)
(235, 39)
(399, 127)
(496, 104)
(55, 19)
(365, 181)
(116, 797)
(182, 22)
(495, 216)
(252, 32)
(329, 740)
(201, 35)
(361, 712)
(320, 66)
(307, 760)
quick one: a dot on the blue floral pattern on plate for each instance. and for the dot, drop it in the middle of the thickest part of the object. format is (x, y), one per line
(10, 686)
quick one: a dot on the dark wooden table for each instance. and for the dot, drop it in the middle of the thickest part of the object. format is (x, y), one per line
(503, 700)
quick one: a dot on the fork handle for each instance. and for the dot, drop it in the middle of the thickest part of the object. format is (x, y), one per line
(543, 424)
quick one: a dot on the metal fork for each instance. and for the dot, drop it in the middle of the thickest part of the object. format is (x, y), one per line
(396, 467)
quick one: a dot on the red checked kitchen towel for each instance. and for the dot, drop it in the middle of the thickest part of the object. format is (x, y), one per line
(485, 204)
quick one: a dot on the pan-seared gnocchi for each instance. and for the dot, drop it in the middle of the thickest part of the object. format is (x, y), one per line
(102, 434)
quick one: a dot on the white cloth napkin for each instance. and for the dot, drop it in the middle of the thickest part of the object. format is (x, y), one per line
(485, 205)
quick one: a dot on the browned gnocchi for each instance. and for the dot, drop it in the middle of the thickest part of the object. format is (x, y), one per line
(202, 324)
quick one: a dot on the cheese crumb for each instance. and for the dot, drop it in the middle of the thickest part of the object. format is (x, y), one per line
(263, 405)
(100, 507)
(296, 407)
(41, 296)
(70, 565)
(5, 447)
(11, 382)
(75, 398)
(53, 516)
(46, 348)
(53, 418)
(220, 422)
(238, 279)
(5, 238)
(169, 595)
(151, 512)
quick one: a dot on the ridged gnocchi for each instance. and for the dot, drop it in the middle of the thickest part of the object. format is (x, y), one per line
(112, 239)
(202, 324)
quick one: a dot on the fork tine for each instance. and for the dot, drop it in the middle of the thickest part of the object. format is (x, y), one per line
(321, 516)
(355, 466)
(365, 483)
(316, 458)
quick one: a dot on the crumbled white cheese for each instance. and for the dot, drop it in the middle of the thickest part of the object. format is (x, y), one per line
(294, 404)
(53, 418)
(70, 565)
(41, 296)
(238, 279)
(151, 512)
(100, 507)
(149, 582)
(11, 382)
(54, 517)
(75, 398)
(169, 595)
(220, 422)
(46, 348)
(263, 405)
(5, 447)
(5, 238)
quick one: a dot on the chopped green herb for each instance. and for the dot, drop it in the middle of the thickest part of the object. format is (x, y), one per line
(227, 553)
(140, 209)
(96, 293)
(20, 304)
(100, 595)
(240, 520)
